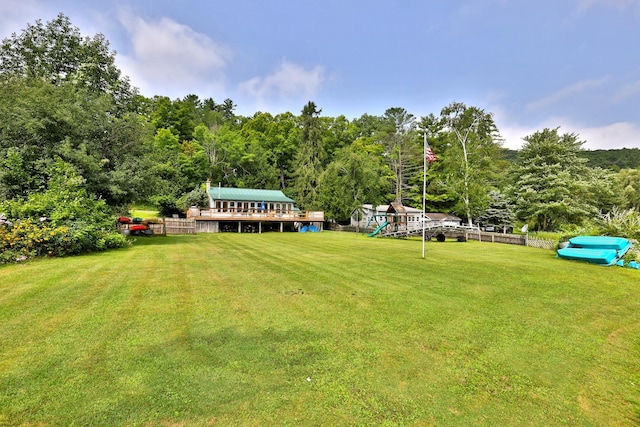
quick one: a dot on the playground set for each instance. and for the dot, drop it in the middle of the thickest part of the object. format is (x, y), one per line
(393, 223)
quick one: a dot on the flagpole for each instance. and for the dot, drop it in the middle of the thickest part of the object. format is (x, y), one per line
(424, 190)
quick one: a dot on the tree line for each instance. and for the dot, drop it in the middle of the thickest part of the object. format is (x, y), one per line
(73, 128)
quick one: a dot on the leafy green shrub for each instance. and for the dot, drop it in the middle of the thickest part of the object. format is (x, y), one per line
(620, 222)
(196, 197)
(63, 202)
(569, 231)
(28, 239)
(114, 240)
(63, 220)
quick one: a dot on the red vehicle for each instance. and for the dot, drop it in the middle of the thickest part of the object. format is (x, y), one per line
(140, 229)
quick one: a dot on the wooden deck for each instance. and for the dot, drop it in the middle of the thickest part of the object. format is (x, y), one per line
(257, 215)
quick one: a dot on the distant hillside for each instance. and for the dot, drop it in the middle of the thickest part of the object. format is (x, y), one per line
(510, 155)
(624, 158)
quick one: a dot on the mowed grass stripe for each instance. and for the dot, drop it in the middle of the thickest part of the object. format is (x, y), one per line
(226, 329)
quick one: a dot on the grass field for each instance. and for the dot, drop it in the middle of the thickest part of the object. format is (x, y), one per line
(318, 329)
(144, 214)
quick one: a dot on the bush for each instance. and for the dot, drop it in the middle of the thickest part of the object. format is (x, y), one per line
(29, 239)
(620, 222)
(196, 197)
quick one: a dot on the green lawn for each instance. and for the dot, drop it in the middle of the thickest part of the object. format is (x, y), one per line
(318, 329)
(144, 214)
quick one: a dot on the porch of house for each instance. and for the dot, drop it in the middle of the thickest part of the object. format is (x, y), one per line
(252, 219)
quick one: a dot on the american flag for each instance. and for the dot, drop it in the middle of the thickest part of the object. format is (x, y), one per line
(430, 156)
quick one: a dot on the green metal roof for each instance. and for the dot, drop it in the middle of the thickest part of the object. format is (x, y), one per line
(248, 195)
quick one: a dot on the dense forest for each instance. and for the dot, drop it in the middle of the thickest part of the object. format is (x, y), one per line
(624, 158)
(79, 144)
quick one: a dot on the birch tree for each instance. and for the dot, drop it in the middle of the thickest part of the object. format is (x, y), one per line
(472, 156)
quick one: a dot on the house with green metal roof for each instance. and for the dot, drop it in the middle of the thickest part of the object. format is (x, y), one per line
(251, 210)
(221, 194)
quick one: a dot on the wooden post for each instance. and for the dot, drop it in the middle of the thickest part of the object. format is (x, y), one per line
(259, 227)
(239, 227)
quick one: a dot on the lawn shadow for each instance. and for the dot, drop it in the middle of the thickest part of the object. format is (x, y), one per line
(160, 240)
(253, 351)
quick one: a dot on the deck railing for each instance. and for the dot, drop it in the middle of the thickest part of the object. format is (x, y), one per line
(255, 215)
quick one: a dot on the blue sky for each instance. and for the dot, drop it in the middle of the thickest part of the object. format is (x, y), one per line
(533, 64)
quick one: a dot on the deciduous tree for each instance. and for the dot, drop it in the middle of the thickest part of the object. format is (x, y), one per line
(628, 181)
(58, 52)
(357, 175)
(467, 143)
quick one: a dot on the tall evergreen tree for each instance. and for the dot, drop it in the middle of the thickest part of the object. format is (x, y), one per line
(499, 213)
(310, 158)
(550, 187)
(401, 149)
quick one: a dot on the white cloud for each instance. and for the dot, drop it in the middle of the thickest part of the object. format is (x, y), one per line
(511, 131)
(607, 137)
(169, 58)
(566, 92)
(613, 136)
(627, 91)
(289, 82)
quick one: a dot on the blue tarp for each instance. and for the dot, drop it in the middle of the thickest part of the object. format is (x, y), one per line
(309, 228)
